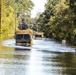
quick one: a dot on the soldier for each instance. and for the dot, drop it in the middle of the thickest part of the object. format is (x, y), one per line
(23, 25)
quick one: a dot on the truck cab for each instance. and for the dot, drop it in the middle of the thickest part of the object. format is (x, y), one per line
(39, 35)
(24, 37)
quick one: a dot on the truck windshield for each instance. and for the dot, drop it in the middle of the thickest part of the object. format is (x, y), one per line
(19, 36)
(40, 36)
(26, 36)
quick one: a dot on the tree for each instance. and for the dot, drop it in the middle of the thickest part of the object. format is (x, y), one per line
(10, 11)
(59, 20)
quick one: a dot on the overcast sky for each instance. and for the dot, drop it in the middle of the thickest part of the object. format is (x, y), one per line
(39, 7)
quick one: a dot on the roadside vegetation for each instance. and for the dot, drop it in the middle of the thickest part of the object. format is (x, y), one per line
(11, 13)
(59, 20)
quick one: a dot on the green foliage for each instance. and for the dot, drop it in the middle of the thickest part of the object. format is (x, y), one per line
(9, 16)
(59, 20)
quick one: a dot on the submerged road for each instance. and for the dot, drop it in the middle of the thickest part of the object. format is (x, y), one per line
(44, 57)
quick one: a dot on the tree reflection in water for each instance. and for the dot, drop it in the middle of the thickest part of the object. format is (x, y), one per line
(35, 61)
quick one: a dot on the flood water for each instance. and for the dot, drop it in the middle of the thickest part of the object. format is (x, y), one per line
(44, 57)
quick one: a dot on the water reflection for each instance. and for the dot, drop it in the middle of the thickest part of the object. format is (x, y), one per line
(21, 57)
(14, 62)
(22, 61)
(35, 63)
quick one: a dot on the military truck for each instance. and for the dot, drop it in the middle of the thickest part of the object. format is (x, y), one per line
(24, 37)
(39, 35)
